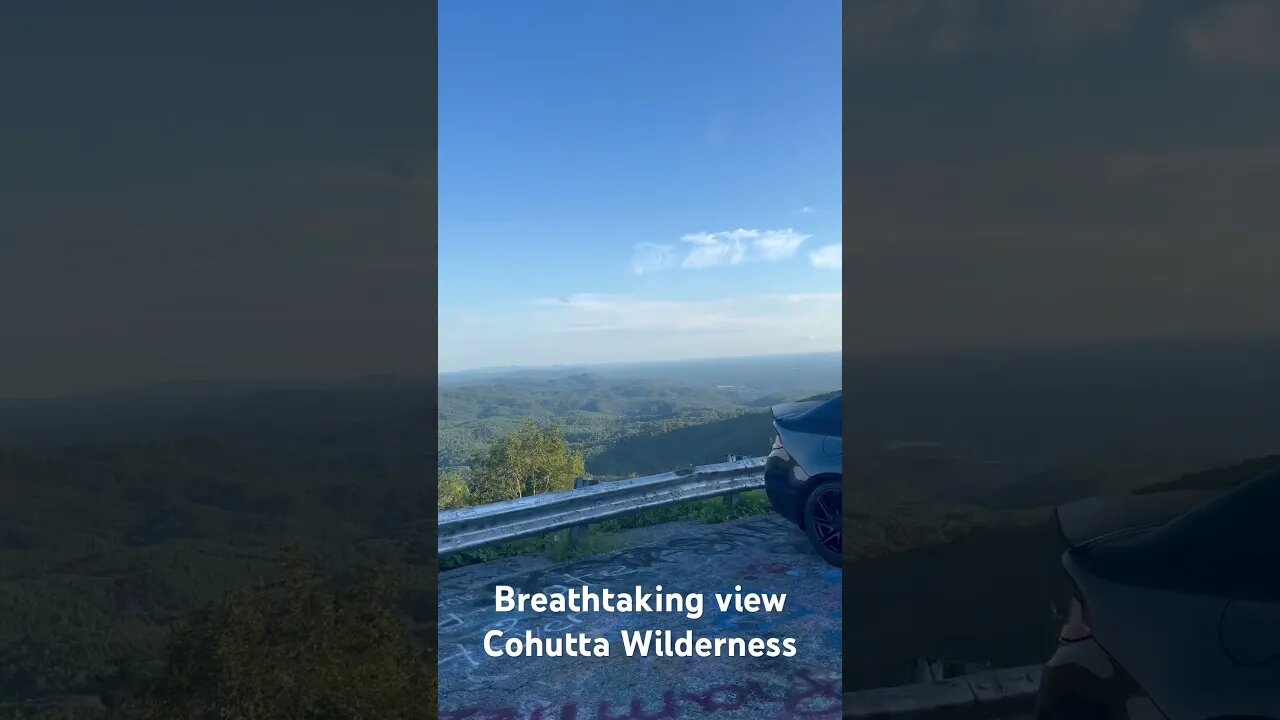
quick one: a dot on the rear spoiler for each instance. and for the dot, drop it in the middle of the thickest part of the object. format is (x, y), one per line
(1084, 522)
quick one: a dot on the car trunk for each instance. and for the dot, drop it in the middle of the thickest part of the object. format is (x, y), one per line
(792, 409)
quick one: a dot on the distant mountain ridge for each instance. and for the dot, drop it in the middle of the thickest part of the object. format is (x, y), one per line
(822, 368)
(631, 366)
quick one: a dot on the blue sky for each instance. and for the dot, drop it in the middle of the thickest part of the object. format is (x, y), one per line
(629, 181)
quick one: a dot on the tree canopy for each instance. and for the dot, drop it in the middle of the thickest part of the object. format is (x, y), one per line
(531, 460)
(454, 492)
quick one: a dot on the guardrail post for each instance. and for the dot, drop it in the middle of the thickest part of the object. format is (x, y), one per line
(578, 533)
(731, 500)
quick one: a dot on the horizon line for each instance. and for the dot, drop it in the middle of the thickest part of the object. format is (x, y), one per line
(606, 363)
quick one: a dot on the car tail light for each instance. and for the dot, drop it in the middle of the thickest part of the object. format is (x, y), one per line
(777, 442)
(1079, 625)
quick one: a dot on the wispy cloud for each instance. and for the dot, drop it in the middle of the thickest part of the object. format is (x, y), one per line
(802, 314)
(1243, 35)
(806, 209)
(731, 247)
(650, 257)
(714, 249)
(828, 257)
(593, 328)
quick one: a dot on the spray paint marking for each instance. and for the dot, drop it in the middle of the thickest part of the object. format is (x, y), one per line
(816, 698)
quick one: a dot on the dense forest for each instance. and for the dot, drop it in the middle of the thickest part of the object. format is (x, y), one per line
(596, 411)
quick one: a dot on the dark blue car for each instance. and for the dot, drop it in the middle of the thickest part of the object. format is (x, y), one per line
(802, 474)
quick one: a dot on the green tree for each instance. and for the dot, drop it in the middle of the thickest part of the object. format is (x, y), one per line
(528, 461)
(292, 650)
(454, 492)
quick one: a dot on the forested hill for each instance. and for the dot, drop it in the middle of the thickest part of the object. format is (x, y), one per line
(658, 451)
(597, 412)
(646, 453)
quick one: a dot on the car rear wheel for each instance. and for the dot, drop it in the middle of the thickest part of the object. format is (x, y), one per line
(822, 520)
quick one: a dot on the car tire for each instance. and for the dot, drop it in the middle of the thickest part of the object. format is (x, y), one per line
(822, 520)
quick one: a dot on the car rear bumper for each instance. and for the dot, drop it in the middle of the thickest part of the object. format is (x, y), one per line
(784, 483)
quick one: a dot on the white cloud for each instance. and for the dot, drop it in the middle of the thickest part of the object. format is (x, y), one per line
(649, 257)
(734, 247)
(714, 249)
(828, 257)
(803, 315)
(806, 209)
(777, 245)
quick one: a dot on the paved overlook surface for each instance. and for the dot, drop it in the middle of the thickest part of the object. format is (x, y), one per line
(763, 554)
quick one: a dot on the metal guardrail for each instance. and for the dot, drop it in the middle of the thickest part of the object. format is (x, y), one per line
(482, 525)
(1002, 693)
